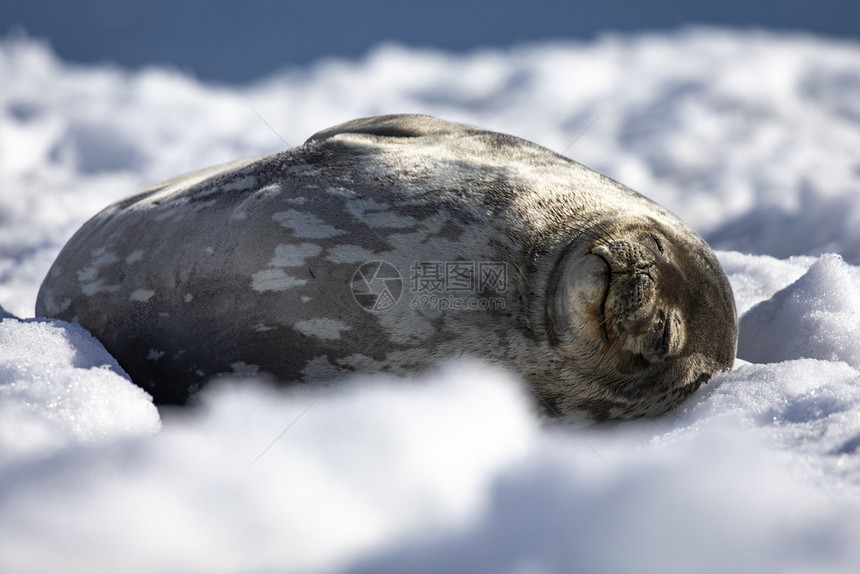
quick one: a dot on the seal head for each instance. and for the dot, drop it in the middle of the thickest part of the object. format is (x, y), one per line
(646, 312)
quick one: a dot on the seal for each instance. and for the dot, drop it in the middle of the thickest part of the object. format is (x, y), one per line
(390, 244)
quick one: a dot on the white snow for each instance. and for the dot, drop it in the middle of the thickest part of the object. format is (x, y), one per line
(817, 316)
(60, 389)
(751, 137)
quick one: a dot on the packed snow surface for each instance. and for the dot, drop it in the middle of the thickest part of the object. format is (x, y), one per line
(751, 137)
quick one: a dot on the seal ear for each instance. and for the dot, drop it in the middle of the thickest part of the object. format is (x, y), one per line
(392, 126)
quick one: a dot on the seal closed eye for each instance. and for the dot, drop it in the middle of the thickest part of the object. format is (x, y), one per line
(393, 243)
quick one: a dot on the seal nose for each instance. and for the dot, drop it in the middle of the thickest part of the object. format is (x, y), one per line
(641, 301)
(626, 258)
(629, 303)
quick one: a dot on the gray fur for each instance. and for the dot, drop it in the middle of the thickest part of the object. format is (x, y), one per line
(249, 267)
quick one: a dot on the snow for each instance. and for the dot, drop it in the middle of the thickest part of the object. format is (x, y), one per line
(817, 316)
(60, 388)
(751, 137)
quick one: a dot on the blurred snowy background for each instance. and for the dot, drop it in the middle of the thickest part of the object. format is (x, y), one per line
(749, 134)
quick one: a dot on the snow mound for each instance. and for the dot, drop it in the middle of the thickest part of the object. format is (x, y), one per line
(452, 473)
(725, 508)
(806, 409)
(260, 480)
(59, 387)
(816, 317)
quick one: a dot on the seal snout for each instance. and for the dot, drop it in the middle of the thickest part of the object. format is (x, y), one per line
(638, 308)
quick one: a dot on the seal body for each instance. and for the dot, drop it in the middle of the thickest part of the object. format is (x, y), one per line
(393, 243)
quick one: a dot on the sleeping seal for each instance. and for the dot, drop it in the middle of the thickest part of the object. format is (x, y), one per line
(392, 243)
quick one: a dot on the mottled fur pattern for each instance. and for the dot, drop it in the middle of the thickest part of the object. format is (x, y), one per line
(249, 267)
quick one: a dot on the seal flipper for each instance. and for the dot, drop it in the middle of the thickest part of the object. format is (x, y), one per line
(393, 126)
